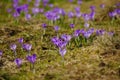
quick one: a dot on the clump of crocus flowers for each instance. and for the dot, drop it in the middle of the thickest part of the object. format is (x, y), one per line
(27, 47)
(54, 16)
(61, 43)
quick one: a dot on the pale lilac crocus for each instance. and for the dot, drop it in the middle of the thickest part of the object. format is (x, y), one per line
(27, 16)
(62, 52)
(66, 37)
(88, 33)
(56, 28)
(111, 33)
(13, 47)
(86, 25)
(35, 10)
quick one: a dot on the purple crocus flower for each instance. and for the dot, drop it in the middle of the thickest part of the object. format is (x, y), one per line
(44, 25)
(21, 8)
(117, 11)
(78, 32)
(70, 14)
(52, 15)
(1, 53)
(18, 62)
(27, 47)
(92, 8)
(56, 28)
(66, 37)
(20, 40)
(100, 32)
(92, 15)
(59, 42)
(16, 14)
(62, 44)
(32, 58)
(62, 52)
(13, 47)
(86, 17)
(87, 34)
(72, 25)
(112, 14)
(62, 12)
(25, 8)
(91, 30)
(77, 9)
(55, 40)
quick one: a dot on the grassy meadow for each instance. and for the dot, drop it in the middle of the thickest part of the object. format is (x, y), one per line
(87, 55)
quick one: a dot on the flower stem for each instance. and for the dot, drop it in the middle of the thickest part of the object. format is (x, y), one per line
(63, 60)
